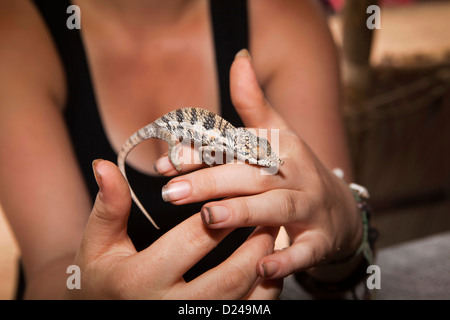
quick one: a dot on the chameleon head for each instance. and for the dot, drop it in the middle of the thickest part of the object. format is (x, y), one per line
(255, 149)
(262, 151)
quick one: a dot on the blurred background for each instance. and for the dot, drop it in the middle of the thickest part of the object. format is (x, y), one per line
(397, 109)
(396, 84)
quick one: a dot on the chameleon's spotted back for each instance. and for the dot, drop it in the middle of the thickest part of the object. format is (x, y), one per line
(195, 123)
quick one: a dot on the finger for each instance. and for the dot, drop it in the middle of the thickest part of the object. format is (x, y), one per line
(300, 256)
(193, 159)
(107, 223)
(221, 181)
(248, 97)
(266, 289)
(276, 207)
(164, 167)
(190, 160)
(235, 277)
(179, 249)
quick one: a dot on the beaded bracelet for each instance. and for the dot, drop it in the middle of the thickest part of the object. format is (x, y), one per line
(368, 242)
(370, 234)
(320, 288)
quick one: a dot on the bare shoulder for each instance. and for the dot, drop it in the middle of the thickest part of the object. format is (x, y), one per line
(28, 59)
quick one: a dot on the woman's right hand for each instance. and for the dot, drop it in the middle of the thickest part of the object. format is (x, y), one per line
(111, 268)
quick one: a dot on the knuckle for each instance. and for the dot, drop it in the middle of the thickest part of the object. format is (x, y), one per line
(245, 211)
(288, 206)
(196, 238)
(208, 183)
(267, 245)
(99, 208)
(235, 281)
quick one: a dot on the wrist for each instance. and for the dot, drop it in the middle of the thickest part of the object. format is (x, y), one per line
(348, 267)
(360, 237)
(353, 230)
(339, 262)
(348, 222)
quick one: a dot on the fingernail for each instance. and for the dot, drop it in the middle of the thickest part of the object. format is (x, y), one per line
(176, 191)
(97, 175)
(243, 53)
(214, 215)
(268, 269)
(163, 165)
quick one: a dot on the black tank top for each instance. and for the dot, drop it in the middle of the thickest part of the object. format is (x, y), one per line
(230, 30)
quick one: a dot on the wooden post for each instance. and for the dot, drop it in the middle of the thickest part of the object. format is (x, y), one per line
(357, 44)
(356, 71)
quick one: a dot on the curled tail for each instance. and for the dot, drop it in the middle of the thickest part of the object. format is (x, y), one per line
(145, 133)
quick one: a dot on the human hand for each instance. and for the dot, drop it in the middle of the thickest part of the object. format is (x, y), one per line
(316, 208)
(111, 268)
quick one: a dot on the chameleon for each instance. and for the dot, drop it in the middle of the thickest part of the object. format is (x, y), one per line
(214, 133)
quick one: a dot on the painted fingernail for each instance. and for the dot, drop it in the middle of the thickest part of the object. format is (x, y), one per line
(163, 165)
(176, 191)
(214, 215)
(268, 269)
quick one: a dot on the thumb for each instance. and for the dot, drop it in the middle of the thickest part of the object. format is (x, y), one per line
(107, 223)
(248, 97)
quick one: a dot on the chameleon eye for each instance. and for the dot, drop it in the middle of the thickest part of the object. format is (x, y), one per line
(259, 152)
(262, 148)
(262, 152)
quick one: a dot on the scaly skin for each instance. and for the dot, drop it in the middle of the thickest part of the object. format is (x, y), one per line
(197, 125)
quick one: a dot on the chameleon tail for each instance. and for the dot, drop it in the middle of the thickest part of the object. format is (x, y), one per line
(133, 141)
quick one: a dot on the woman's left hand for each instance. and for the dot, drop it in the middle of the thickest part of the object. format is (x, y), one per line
(315, 207)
